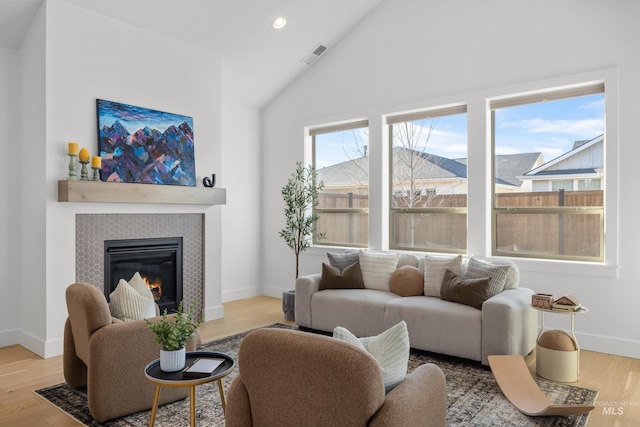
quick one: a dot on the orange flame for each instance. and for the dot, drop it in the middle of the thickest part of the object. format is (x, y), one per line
(155, 287)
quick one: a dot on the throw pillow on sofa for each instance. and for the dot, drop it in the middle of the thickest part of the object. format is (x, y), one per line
(434, 268)
(344, 259)
(377, 268)
(128, 303)
(513, 276)
(477, 269)
(407, 281)
(390, 349)
(463, 290)
(349, 278)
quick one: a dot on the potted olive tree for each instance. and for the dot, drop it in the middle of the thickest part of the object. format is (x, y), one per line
(300, 196)
(172, 333)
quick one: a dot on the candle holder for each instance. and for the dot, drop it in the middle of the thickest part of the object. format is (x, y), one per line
(73, 168)
(96, 173)
(84, 175)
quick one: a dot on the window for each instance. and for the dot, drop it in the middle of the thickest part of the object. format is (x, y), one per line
(342, 163)
(429, 180)
(549, 201)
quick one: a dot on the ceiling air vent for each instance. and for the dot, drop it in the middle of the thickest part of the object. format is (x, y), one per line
(313, 56)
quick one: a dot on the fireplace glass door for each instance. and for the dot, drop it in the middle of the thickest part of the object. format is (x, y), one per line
(158, 260)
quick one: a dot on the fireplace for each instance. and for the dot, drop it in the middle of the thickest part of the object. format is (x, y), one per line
(158, 260)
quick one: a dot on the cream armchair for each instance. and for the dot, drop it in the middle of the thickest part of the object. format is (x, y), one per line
(108, 356)
(295, 378)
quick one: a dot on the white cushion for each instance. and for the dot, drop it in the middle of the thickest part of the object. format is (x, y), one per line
(434, 268)
(390, 349)
(138, 283)
(377, 268)
(132, 303)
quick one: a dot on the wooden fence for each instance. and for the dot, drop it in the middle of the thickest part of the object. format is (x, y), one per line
(544, 233)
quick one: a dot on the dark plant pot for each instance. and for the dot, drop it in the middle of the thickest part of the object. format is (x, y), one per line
(289, 305)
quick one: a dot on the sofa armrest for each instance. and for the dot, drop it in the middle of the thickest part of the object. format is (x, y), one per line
(509, 324)
(306, 286)
(421, 396)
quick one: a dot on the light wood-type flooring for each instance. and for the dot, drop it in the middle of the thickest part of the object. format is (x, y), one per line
(21, 372)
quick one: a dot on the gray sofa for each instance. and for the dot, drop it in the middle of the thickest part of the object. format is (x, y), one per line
(506, 324)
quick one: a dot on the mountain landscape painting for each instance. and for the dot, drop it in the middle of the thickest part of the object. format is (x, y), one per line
(140, 145)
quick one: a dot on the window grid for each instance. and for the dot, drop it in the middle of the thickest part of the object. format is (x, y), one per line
(426, 228)
(345, 223)
(575, 221)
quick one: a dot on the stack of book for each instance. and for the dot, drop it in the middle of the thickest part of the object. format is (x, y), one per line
(202, 367)
(566, 302)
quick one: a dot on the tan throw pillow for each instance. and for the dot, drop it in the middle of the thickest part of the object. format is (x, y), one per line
(471, 292)
(127, 303)
(434, 268)
(349, 278)
(407, 281)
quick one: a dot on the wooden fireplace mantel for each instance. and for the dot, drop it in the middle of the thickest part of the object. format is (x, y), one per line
(117, 192)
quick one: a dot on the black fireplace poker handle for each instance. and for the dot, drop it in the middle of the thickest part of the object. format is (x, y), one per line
(209, 182)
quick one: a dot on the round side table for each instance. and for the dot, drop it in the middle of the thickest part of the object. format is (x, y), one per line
(175, 379)
(563, 366)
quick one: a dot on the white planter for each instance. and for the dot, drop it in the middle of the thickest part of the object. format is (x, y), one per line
(172, 361)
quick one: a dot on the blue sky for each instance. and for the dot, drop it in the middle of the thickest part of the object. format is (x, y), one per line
(548, 127)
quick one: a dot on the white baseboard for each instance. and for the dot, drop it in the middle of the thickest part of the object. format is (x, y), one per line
(241, 294)
(9, 337)
(274, 292)
(213, 313)
(609, 345)
(34, 344)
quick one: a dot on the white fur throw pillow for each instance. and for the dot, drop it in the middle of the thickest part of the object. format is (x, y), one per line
(390, 349)
(377, 268)
(434, 268)
(132, 303)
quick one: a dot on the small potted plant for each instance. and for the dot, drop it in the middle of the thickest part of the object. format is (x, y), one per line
(172, 332)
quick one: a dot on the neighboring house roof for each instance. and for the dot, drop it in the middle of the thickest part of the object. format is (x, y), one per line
(580, 171)
(431, 167)
(555, 167)
(510, 166)
(345, 173)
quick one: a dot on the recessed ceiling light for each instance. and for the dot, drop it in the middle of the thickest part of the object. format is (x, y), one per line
(279, 23)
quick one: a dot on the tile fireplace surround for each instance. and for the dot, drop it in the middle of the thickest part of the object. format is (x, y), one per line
(93, 229)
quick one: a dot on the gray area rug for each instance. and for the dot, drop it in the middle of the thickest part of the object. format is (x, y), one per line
(473, 397)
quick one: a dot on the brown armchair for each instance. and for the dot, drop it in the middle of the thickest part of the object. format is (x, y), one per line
(295, 378)
(108, 356)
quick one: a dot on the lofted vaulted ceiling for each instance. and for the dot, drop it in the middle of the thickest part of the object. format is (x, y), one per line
(258, 61)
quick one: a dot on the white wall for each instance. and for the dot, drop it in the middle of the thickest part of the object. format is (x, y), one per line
(28, 231)
(241, 273)
(71, 57)
(410, 54)
(9, 315)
